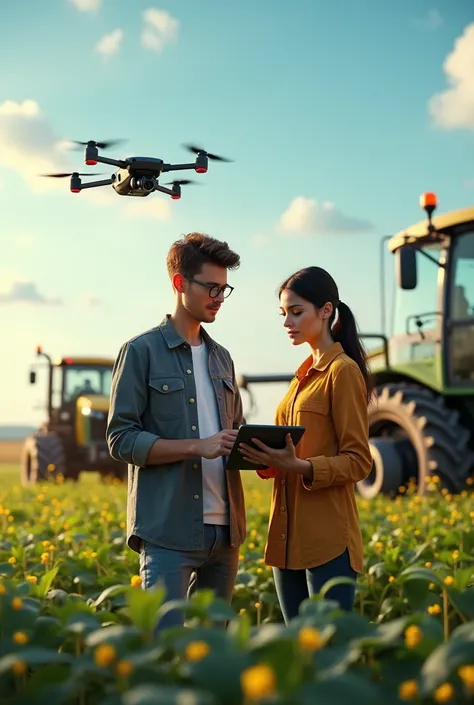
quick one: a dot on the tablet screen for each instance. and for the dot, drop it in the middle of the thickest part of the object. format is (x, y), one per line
(272, 436)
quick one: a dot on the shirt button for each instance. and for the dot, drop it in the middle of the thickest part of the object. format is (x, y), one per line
(282, 509)
(195, 466)
(191, 401)
(165, 387)
(196, 496)
(189, 372)
(282, 481)
(283, 536)
(193, 428)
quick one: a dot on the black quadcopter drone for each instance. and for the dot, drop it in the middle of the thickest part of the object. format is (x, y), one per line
(136, 176)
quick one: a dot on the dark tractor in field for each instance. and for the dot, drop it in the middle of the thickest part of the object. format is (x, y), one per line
(72, 438)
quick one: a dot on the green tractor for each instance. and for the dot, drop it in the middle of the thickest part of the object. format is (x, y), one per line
(422, 419)
(72, 439)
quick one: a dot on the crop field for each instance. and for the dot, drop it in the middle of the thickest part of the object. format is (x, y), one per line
(77, 629)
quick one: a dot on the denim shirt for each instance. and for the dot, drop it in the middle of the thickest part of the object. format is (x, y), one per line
(153, 395)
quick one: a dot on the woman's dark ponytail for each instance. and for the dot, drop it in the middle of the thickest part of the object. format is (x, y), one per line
(344, 331)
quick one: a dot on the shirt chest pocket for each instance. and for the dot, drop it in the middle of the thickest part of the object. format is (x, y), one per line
(166, 397)
(313, 413)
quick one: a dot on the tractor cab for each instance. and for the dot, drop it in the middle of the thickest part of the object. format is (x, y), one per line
(433, 315)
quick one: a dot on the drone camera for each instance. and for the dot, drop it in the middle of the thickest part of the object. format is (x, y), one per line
(147, 184)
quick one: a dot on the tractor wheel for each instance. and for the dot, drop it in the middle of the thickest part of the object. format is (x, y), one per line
(43, 457)
(413, 435)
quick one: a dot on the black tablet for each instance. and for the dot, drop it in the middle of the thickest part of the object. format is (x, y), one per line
(272, 436)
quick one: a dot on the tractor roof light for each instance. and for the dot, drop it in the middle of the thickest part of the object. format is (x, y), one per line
(39, 349)
(429, 201)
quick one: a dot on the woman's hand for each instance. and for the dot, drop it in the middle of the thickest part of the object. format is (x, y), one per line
(283, 459)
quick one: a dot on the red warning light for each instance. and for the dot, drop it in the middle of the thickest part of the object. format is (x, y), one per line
(68, 361)
(428, 200)
(175, 197)
(200, 170)
(91, 162)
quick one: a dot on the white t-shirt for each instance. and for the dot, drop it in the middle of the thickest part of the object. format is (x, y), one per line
(213, 473)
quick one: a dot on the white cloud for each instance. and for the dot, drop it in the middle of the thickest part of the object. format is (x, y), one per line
(454, 107)
(29, 145)
(109, 44)
(86, 5)
(307, 216)
(26, 292)
(155, 206)
(160, 28)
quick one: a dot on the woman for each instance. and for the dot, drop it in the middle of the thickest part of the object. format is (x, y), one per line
(314, 532)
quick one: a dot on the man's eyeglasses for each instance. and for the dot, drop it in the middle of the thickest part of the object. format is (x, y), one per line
(214, 289)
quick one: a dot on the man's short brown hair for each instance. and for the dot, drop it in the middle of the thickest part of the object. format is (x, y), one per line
(187, 256)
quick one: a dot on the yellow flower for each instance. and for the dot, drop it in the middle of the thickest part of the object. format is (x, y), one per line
(257, 605)
(466, 674)
(413, 636)
(242, 611)
(32, 579)
(3, 589)
(44, 557)
(20, 638)
(17, 603)
(408, 690)
(251, 546)
(455, 555)
(258, 682)
(449, 580)
(19, 667)
(309, 639)
(124, 668)
(94, 554)
(391, 579)
(104, 655)
(135, 581)
(444, 693)
(428, 564)
(434, 609)
(197, 650)
(379, 546)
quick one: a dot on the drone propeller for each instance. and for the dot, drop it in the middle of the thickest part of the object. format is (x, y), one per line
(181, 182)
(73, 173)
(198, 150)
(99, 145)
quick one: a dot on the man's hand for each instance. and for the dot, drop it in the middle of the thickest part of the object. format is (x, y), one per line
(219, 444)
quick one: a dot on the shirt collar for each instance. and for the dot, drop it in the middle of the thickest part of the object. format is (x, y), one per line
(174, 339)
(323, 363)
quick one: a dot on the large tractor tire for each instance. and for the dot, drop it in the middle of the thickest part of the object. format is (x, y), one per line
(414, 435)
(43, 457)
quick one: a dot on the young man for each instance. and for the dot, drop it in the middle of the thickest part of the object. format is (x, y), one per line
(174, 410)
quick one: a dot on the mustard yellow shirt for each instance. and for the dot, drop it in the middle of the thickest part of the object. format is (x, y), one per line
(310, 524)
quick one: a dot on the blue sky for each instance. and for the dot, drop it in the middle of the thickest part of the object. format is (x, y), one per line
(359, 105)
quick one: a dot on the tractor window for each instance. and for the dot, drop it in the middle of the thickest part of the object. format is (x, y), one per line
(86, 380)
(462, 290)
(461, 339)
(422, 301)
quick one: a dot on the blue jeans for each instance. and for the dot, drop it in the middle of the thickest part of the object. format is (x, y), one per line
(295, 586)
(184, 572)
